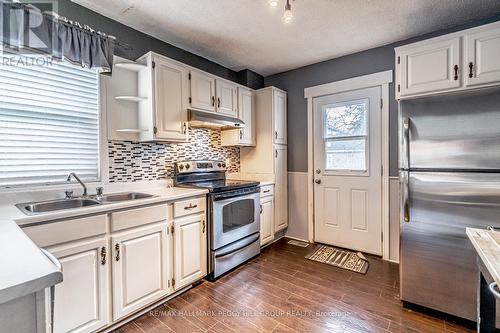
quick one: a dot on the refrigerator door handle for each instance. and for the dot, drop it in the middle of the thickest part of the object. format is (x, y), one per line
(405, 190)
(406, 143)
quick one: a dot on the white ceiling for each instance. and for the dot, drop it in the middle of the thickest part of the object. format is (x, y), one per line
(241, 34)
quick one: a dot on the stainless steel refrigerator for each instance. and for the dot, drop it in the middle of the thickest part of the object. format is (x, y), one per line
(449, 169)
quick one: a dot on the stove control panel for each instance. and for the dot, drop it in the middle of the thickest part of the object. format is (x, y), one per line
(199, 166)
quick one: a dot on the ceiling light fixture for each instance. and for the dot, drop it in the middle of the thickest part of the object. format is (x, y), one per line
(273, 3)
(288, 16)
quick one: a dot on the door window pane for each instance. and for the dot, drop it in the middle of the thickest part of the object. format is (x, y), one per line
(346, 119)
(346, 154)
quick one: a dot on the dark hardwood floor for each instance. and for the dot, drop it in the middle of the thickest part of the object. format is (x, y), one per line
(280, 291)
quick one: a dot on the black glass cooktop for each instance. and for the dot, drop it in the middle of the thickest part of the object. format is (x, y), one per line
(221, 185)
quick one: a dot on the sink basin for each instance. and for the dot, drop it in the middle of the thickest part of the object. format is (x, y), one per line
(32, 208)
(125, 196)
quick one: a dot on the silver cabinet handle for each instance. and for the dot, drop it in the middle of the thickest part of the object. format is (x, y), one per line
(117, 249)
(493, 290)
(191, 206)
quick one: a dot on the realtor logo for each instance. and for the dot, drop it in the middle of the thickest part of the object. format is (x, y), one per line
(24, 29)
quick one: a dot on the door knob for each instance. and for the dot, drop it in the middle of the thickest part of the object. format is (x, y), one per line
(317, 181)
(318, 171)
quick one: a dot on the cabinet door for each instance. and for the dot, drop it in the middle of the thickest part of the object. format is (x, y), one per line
(202, 91)
(190, 250)
(227, 98)
(247, 115)
(482, 57)
(279, 111)
(430, 67)
(170, 100)
(81, 300)
(281, 188)
(140, 268)
(266, 220)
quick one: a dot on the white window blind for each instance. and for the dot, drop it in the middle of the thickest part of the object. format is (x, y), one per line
(49, 123)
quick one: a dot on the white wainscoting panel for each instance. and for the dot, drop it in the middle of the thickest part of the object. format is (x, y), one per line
(297, 206)
(394, 219)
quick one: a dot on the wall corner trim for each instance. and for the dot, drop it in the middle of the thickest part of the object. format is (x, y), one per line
(359, 82)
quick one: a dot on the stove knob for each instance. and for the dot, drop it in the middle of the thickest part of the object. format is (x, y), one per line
(181, 166)
(219, 164)
(187, 166)
(223, 165)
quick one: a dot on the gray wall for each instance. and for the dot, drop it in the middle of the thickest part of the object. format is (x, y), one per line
(362, 63)
(135, 44)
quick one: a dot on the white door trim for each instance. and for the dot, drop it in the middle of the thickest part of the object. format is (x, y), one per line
(381, 79)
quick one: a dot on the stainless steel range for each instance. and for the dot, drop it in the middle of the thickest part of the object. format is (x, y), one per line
(233, 213)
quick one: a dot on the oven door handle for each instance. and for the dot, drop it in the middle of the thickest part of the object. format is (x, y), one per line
(248, 241)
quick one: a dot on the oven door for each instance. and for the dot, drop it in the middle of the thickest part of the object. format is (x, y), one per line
(235, 216)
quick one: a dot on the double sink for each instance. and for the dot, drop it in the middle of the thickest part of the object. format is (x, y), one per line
(34, 208)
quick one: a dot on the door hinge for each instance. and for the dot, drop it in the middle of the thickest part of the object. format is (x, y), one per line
(189, 76)
(172, 229)
(168, 283)
(155, 130)
(153, 64)
(173, 282)
(381, 170)
(399, 87)
(399, 59)
(382, 236)
(190, 100)
(381, 103)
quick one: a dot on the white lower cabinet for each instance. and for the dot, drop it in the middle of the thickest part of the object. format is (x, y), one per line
(81, 300)
(266, 219)
(190, 249)
(140, 268)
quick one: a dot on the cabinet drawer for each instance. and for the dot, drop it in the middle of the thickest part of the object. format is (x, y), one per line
(266, 190)
(139, 216)
(190, 206)
(65, 231)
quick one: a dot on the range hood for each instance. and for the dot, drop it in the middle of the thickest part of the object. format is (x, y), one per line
(213, 120)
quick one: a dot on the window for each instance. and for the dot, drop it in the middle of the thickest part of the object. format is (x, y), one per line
(49, 121)
(345, 135)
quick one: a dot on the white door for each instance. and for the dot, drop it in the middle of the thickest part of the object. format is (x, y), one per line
(281, 188)
(246, 114)
(431, 66)
(190, 246)
(202, 91)
(266, 220)
(482, 57)
(347, 170)
(171, 93)
(227, 98)
(279, 106)
(140, 268)
(81, 300)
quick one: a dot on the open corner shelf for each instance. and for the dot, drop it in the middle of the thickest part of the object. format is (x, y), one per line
(131, 130)
(131, 66)
(131, 98)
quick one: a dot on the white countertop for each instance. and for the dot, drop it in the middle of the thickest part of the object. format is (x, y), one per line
(487, 245)
(10, 212)
(25, 268)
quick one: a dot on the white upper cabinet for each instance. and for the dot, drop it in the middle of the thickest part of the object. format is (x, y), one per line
(202, 91)
(280, 106)
(430, 67)
(190, 239)
(227, 98)
(459, 61)
(171, 93)
(140, 268)
(244, 136)
(482, 52)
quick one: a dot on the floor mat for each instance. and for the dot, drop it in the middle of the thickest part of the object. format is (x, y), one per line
(350, 260)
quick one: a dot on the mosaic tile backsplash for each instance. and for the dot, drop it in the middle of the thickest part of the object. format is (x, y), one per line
(132, 161)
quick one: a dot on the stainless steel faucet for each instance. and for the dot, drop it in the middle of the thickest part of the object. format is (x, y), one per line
(85, 192)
